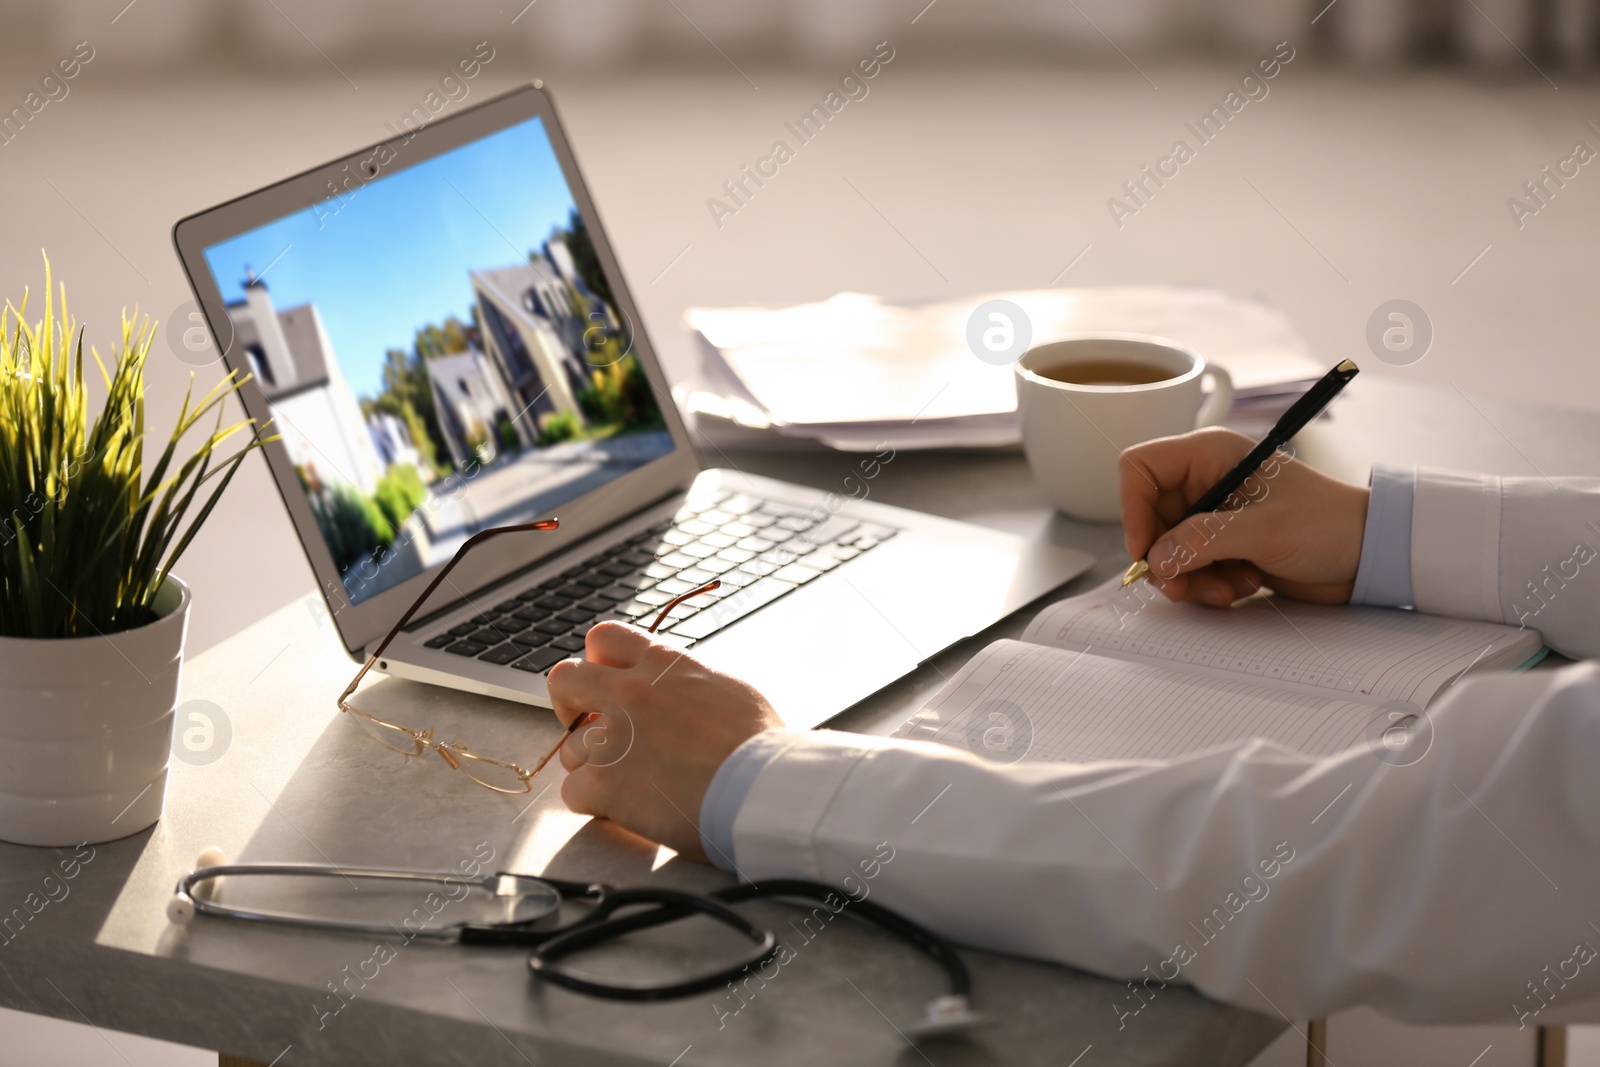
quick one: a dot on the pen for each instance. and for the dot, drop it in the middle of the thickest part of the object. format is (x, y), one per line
(1293, 421)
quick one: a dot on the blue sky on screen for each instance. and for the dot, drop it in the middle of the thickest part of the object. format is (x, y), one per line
(395, 257)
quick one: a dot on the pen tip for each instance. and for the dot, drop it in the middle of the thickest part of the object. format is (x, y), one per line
(1139, 569)
(1348, 366)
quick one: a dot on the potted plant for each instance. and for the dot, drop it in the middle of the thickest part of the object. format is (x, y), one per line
(92, 619)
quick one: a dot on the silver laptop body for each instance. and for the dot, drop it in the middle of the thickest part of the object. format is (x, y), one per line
(439, 331)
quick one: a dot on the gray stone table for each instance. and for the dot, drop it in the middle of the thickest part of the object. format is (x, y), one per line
(298, 782)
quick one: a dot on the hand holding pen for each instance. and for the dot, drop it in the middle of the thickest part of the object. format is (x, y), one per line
(1298, 531)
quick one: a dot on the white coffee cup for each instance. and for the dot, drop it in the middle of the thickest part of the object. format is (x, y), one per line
(1073, 432)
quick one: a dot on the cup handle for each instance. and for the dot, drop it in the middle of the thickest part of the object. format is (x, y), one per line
(1218, 404)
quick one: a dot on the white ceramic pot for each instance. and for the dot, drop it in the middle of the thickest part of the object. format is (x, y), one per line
(86, 728)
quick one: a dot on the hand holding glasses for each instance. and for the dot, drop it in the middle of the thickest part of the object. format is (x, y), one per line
(586, 717)
(502, 776)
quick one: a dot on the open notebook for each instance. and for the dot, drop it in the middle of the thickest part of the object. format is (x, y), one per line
(1124, 674)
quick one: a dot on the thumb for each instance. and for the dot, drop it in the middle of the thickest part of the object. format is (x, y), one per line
(582, 794)
(1204, 539)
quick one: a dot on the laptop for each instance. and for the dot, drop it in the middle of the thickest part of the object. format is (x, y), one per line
(438, 330)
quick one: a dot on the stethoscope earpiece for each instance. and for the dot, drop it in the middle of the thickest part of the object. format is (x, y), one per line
(949, 1014)
(181, 908)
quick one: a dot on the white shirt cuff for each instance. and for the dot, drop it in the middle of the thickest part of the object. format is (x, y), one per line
(727, 792)
(1383, 577)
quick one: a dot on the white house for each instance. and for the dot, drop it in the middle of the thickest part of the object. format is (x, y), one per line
(312, 405)
(393, 442)
(560, 257)
(533, 331)
(471, 401)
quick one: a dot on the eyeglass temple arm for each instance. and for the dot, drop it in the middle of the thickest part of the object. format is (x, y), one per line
(661, 615)
(470, 543)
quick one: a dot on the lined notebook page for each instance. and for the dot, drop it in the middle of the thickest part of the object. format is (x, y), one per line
(1019, 701)
(1383, 653)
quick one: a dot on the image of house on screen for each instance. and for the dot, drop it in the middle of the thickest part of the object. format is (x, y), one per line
(493, 412)
(313, 407)
(471, 399)
(523, 363)
(536, 318)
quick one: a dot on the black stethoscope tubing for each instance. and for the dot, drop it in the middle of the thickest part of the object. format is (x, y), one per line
(551, 943)
(602, 925)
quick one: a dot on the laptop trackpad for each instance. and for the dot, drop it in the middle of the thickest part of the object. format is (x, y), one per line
(858, 628)
(814, 653)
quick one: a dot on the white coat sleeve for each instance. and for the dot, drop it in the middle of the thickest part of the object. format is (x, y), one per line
(1455, 887)
(1522, 551)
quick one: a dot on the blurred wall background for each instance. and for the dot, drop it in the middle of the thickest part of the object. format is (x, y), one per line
(273, 35)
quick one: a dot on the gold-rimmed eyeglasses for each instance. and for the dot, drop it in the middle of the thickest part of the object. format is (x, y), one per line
(502, 776)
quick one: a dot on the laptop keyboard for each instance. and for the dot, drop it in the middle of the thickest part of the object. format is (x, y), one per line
(760, 550)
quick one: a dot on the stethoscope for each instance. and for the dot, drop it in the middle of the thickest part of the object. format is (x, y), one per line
(528, 905)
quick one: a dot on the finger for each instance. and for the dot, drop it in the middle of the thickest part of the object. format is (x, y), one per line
(582, 793)
(616, 644)
(1240, 534)
(1200, 456)
(1139, 496)
(573, 753)
(1151, 480)
(578, 686)
(1175, 588)
(1159, 479)
(1211, 587)
(1220, 584)
(1217, 585)
(604, 739)
(1245, 579)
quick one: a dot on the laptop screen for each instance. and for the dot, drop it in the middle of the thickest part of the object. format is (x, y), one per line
(441, 352)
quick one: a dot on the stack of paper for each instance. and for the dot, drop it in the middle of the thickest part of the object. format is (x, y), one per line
(855, 371)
